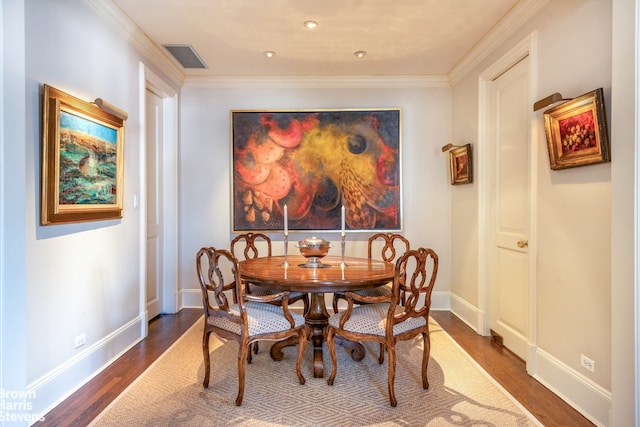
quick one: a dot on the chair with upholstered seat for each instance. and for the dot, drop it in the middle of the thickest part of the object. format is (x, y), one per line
(386, 247)
(252, 318)
(384, 320)
(248, 246)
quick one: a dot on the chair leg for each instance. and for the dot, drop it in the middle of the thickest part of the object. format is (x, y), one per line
(302, 340)
(305, 301)
(426, 349)
(332, 352)
(242, 355)
(381, 356)
(253, 348)
(392, 374)
(207, 363)
(335, 303)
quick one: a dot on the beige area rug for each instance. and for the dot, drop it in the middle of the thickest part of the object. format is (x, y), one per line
(170, 392)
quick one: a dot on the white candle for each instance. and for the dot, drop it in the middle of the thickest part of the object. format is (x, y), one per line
(286, 221)
(342, 221)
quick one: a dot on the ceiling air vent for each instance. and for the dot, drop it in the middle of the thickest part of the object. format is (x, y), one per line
(185, 55)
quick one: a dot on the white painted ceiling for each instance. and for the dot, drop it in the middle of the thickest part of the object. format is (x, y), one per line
(401, 37)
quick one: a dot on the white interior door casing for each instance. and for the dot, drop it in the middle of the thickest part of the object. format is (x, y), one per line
(159, 104)
(154, 173)
(509, 265)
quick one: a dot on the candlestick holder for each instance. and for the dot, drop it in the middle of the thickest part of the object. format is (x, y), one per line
(343, 238)
(286, 249)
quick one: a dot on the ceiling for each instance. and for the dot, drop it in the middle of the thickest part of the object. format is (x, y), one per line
(401, 37)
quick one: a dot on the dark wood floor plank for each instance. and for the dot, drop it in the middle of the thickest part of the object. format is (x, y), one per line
(508, 370)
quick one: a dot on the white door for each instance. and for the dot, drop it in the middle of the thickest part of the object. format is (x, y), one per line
(154, 277)
(509, 269)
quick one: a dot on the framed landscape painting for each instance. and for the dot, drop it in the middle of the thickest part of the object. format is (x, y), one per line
(82, 161)
(314, 162)
(577, 133)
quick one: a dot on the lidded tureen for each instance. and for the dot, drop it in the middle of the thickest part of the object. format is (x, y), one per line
(313, 248)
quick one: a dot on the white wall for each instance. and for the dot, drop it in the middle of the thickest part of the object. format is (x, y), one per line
(12, 199)
(573, 238)
(205, 162)
(625, 326)
(80, 278)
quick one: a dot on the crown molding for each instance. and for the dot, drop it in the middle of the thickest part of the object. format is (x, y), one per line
(523, 11)
(141, 42)
(294, 82)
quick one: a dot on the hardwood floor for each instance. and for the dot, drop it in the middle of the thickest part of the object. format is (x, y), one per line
(508, 370)
(92, 398)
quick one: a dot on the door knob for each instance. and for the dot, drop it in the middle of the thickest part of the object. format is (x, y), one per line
(523, 243)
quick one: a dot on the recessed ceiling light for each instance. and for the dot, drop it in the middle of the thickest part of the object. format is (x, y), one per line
(269, 54)
(360, 54)
(310, 24)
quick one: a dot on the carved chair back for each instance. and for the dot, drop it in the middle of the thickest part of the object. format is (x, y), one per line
(251, 245)
(387, 246)
(415, 276)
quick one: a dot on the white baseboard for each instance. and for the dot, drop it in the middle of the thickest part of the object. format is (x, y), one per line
(467, 312)
(81, 368)
(191, 298)
(587, 397)
(583, 395)
(440, 301)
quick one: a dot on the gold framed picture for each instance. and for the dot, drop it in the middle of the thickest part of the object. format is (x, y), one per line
(577, 132)
(82, 161)
(460, 165)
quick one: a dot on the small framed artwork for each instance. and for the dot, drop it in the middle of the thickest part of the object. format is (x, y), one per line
(577, 133)
(82, 161)
(460, 165)
(310, 164)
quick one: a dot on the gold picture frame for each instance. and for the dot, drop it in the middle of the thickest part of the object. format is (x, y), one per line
(461, 165)
(577, 133)
(82, 161)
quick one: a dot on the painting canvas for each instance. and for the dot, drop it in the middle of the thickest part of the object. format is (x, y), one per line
(577, 133)
(315, 162)
(460, 165)
(81, 161)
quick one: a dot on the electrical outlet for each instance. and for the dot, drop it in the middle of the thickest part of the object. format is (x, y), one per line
(587, 363)
(81, 340)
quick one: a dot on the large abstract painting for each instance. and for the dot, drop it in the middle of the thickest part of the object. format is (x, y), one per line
(315, 162)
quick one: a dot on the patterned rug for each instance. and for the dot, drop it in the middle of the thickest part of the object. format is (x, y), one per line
(170, 392)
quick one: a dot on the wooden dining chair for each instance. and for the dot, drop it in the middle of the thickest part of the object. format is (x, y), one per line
(384, 320)
(383, 246)
(254, 245)
(251, 319)
(386, 247)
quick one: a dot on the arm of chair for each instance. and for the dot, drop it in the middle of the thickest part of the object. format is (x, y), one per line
(280, 296)
(366, 299)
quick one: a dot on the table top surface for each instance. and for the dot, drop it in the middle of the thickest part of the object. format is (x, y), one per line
(358, 273)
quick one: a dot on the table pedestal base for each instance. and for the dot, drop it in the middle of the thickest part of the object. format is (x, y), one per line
(317, 321)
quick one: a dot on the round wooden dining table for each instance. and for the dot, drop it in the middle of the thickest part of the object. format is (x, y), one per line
(332, 275)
